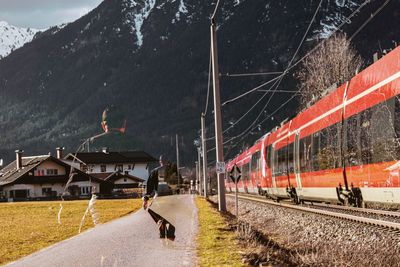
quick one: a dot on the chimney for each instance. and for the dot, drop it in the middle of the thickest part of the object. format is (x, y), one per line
(105, 150)
(60, 152)
(18, 154)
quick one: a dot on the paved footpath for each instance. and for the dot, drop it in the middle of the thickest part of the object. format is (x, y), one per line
(129, 241)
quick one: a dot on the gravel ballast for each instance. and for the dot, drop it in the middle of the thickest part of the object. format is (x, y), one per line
(291, 237)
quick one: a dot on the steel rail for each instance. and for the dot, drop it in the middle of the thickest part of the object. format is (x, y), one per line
(372, 211)
(368, 221)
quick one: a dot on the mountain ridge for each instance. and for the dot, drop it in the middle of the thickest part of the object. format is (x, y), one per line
(54, 89)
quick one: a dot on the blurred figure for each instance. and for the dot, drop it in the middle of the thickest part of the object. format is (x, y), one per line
(152, 182)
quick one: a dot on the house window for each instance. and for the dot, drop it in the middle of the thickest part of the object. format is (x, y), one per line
(119, 167)
(127, 172)
(46, 191)
(125, 179)
(103, 168)
(85, 190)
(131, 166)
(51, 172)
(83, 167)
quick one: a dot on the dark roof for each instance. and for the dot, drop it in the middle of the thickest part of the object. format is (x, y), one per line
(109, 176)
(112, 157)
(10, 174)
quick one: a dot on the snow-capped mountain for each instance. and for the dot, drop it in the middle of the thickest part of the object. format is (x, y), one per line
(150, 58)
(12, 37)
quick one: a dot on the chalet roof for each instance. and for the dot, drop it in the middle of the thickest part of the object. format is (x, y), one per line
(10, 174)
(112, 157)
(109, 176)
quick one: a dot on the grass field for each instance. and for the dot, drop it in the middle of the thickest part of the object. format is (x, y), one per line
(216, 243)
(26, 227)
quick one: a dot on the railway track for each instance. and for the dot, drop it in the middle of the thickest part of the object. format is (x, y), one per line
(382, 219)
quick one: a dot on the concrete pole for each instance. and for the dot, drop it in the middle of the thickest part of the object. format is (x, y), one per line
(197, 177)
(200, 176)
(204, 149)
(217, 116)
(177, 158)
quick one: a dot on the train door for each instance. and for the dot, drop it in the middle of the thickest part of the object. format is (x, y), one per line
(274, 165)
(297, 160)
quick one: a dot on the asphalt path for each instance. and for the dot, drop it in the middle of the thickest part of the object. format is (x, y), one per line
(129, 241)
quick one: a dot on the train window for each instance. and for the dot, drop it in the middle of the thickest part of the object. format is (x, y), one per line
(305, 154)
(290, 164)
(282, 161)
(397, 125)
(246, 171)
(365, 136)
(352, 151)
(383, 136)
(315, 150)
(269, 156)
(329, 153)
(255, 158)
(275, 169)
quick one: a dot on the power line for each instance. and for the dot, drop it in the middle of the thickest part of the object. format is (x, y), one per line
(251, 74)
(278, 91)
(345, 21)
(215, 10)
(277, 83)
(208, 85)
(290, 67)
(252, 90)
(369, 19)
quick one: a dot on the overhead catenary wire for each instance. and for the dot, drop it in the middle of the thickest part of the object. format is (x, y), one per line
(369, 19)
(251, 74)
(345, 21)
(208, 85)
(279, 80)
(353, 35)
(215, 10)
(277, 83)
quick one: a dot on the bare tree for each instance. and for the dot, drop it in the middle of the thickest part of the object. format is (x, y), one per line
(333, 63)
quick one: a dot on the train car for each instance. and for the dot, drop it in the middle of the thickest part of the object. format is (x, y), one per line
(249, 164)
(343, 149)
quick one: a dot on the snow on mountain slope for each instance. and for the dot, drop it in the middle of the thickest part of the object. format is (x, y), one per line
(12, 37)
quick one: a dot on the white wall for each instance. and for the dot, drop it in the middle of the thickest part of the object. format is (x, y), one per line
(139, 170)
(122, 181)
(50, 165)
(35, 190)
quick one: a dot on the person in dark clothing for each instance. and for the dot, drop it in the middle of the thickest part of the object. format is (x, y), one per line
(152, 182)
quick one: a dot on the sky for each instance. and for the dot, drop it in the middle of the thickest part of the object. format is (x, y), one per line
(42, 14)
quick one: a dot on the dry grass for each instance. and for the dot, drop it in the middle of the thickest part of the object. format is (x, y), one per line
(30, 226)
(216, 241)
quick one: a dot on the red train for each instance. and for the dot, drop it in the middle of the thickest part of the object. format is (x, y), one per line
(343, 149)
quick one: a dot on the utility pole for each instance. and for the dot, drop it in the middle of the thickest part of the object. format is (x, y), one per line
(217, 116)
(177, 159)
(204, 149)
(199, 166)
(197, 177)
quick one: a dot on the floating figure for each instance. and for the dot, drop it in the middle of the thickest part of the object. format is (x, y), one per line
(109, 118)
(112, 121)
